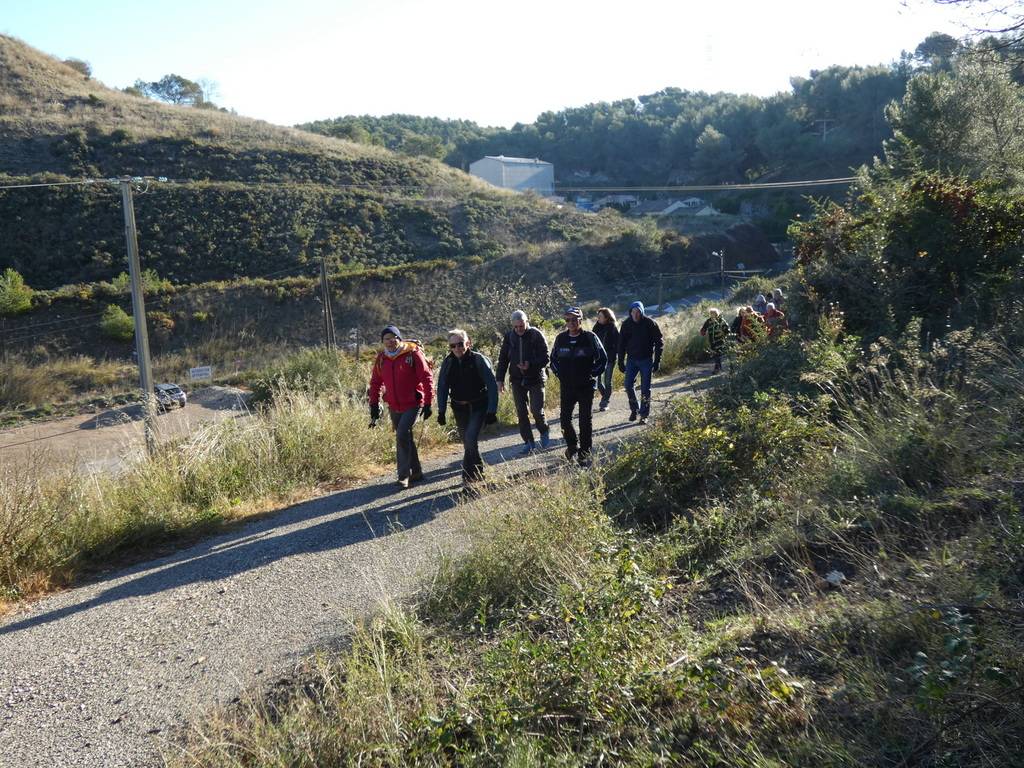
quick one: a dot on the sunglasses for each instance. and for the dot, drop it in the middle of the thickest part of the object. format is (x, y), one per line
(457, 344)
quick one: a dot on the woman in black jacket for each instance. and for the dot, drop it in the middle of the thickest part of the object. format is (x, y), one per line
(608, 332)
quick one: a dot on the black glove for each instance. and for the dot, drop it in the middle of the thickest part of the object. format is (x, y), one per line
(657, 365)
(374, 415)
(622, 365)
(490, 418)
(426, 412)
(441, 419)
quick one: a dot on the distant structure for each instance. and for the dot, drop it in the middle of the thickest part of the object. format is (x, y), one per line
(519, 173)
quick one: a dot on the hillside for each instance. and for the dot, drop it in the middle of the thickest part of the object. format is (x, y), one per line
(246, 200)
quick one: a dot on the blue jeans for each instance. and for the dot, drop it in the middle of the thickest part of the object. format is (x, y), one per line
(643, 367)
(604, 381)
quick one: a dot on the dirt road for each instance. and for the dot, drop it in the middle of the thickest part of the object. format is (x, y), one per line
(100, 441)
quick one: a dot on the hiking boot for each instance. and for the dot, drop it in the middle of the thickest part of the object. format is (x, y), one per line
(570, 451)
(529, 448)
(603, 406)
(416, 477)
(632, 415)
(643, 419)
(584, 459)
(545, 440)
(403, 483)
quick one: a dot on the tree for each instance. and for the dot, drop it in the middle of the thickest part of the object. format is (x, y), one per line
(936, 51)
(80, 66)
(173, 89)
(15, 296)
(715, 159)
(970, 121)
(117, 324)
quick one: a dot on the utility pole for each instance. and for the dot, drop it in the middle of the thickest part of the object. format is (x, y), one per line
(721, 270)
(824, 127)
(139, 314)
(325, 288)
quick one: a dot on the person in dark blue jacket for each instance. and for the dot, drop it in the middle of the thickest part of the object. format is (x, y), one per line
(467, 380)
(640, 347)
(577, 358)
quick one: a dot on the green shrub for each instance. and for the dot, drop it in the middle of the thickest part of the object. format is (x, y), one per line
(15, 296)
(117, 324)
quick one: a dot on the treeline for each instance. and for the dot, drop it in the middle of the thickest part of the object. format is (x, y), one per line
(829, 122)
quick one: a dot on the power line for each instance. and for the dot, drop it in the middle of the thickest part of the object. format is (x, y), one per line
(719, 187)
(54, 184)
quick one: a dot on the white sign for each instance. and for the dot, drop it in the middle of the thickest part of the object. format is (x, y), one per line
(202, 372)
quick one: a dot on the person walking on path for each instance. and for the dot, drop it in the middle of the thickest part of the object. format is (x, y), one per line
(716, 331)
(467, 378)
(608, 333)
(760, 304)
(577, 358)
(403, 373)
(775, 320)
(524, 356)
(640, 346)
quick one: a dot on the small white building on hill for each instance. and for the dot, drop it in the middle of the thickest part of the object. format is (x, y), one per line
(519, 173)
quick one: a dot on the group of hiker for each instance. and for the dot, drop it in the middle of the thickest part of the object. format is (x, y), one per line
(764, 318)
(582, 360)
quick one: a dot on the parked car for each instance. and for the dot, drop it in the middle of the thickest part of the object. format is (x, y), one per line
(169, 396)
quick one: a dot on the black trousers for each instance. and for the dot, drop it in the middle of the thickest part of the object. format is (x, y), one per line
(470, 421)
(570, 398)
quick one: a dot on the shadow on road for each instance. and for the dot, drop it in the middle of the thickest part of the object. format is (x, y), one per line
(379, 511)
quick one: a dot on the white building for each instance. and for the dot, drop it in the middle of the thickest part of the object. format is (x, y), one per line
(518, 173)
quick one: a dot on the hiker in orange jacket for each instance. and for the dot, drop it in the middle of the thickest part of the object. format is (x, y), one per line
(404, 374)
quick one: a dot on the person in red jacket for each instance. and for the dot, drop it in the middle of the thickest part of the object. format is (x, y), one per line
(404, 374)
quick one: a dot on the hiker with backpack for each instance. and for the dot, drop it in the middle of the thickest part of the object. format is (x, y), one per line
(608, 333)
(467, 380)
(402, 371)
(640, 347)
(524, 356)
(577, 358)
(716, 331)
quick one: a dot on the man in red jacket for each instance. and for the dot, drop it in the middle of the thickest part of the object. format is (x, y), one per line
(404, 374)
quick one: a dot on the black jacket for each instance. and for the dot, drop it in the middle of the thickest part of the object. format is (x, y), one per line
(640, 340)
(533, 348)
(609, 336)
(578, 360)
(472, 373)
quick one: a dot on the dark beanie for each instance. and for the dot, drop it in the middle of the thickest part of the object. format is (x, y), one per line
(391, 329)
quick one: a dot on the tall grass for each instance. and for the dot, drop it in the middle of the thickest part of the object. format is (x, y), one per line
(53, 526)
(713, 638)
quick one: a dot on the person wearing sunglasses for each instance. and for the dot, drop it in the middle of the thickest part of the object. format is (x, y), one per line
(577, 358)
(467, 381)
(403, 372)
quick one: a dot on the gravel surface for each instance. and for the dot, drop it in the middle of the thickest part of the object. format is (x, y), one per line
(99, 442)
(101, 675)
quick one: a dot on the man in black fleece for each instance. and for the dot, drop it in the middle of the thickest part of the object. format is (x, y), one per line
(577, 358)
(640, 347)
(466, 377)
(524, 356)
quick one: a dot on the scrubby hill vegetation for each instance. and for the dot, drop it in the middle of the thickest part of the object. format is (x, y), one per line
(820, 563)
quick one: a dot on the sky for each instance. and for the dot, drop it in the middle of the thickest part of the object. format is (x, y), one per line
(490, 61)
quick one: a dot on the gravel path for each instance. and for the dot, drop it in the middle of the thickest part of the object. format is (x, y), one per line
(101, 675)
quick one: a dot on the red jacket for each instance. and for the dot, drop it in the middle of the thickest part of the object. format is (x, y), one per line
(406, 379)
